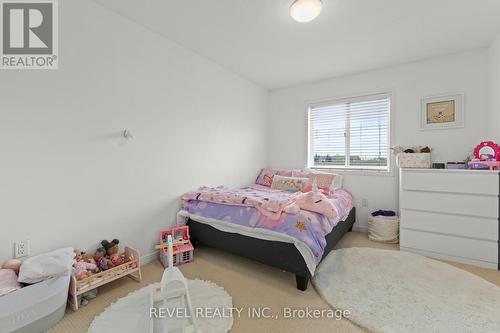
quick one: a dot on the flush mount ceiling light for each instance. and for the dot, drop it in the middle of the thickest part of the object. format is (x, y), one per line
(305, 10)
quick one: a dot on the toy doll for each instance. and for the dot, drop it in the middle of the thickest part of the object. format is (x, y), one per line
(100, 259)
(85, 260)
(88, 258)
(83, 269)
(112, 250)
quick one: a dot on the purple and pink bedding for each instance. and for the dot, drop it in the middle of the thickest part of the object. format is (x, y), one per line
(269, 202)
(261, 207)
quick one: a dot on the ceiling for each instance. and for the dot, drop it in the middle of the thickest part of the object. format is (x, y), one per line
(260, 41)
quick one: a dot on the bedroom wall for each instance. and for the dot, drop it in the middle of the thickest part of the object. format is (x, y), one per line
(494, 83)
(67, 176)
(466, 72)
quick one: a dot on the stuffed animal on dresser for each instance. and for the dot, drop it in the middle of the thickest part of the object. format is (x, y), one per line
(112, 250)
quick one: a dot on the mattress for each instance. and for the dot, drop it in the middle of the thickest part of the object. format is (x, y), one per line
(306, 230)
(34, 308)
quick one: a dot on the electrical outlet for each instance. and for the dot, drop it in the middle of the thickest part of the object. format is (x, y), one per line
(22, 248)
(364, 202)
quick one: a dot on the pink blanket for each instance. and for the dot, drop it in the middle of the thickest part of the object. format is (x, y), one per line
(270, 202)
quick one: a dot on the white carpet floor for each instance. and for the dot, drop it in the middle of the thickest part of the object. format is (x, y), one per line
(399, 292)
(250, 284)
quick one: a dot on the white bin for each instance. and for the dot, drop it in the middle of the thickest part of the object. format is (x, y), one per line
(34, 308)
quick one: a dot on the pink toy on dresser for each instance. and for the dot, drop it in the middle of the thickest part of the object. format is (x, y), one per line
(487, 156)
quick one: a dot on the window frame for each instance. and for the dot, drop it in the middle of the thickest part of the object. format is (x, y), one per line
(346, 167)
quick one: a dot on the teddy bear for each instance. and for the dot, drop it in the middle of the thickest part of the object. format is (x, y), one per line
(101, 260)
(112, 250)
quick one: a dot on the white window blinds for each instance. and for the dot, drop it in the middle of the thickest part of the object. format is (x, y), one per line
(351, 133)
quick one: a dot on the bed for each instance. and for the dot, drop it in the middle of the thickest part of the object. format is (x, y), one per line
(278, 254)
(241, 221)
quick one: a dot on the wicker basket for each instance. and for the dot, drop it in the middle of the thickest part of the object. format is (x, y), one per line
(383, 229)
(414, 160)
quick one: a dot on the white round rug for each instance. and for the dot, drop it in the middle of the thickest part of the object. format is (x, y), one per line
(393, 291)
(129, 313)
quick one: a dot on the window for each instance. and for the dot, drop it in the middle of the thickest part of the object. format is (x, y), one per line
(351, 133)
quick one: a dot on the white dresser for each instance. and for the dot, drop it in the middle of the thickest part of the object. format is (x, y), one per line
(451, 214)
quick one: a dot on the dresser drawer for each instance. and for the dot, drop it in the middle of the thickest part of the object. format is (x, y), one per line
(450, 245)
(460, 204)
(471, 182)
(473, 227)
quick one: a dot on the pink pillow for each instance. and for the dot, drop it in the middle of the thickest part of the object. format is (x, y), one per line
(265, 176)
(323, 180)
(300, 173)
(316, 202)
(8, 281)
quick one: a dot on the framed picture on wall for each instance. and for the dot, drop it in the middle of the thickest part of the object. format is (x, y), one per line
(442, 112)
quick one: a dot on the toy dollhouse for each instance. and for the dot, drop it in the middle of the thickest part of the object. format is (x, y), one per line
(182, 247)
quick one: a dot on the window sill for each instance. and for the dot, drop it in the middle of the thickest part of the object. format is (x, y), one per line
(354, 171)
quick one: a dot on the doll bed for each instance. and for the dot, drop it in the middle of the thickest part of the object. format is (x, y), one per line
(34, 308)
(278, 254)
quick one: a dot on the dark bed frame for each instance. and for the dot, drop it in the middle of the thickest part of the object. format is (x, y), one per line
(282, 255)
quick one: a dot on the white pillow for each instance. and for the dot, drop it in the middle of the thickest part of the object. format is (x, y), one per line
(46, 266)
(292, 184)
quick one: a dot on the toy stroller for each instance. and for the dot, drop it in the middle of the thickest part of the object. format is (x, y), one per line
(173, 296)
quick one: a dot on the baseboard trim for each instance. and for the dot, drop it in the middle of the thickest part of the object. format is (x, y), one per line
(360, 228)
(150, 257)
(440, 256)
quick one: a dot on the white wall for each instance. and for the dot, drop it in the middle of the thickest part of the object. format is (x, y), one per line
(67, 178)
(494, 83)
(466, 72)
